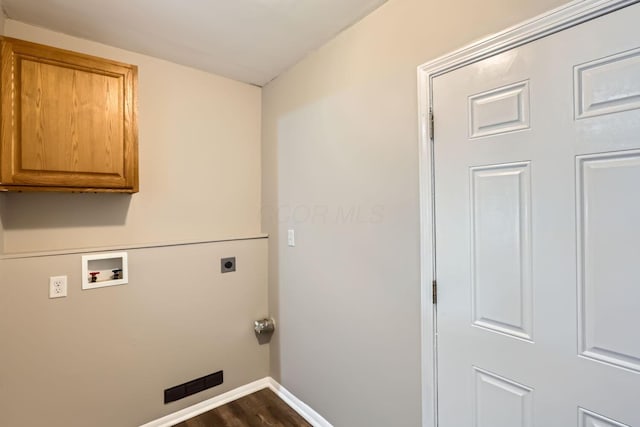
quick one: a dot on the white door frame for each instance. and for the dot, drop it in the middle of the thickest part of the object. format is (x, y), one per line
(561, 18)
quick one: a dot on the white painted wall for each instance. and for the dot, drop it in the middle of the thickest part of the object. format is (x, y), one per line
(199, 164)
(340, 135)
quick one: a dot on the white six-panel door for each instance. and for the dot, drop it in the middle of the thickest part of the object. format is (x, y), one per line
(537, 212)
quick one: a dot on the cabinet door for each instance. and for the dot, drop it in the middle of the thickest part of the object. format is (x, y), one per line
(68, 121)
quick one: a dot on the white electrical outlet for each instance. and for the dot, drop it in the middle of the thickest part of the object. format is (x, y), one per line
(57, 286)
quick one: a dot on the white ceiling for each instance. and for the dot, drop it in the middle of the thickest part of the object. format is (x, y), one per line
(248, 40)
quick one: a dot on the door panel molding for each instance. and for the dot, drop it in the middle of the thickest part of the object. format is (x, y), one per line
(602, 258)
(602, 86)
(501, 110)
(554, 21)
(489, 280)
(500, 402)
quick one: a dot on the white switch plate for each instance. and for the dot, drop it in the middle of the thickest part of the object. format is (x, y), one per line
(291, 237)
(57, 286)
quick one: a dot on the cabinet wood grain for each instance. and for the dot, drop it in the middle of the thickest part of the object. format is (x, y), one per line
(68, 121)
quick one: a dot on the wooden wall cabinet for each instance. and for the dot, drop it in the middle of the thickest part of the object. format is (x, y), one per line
(68, 121)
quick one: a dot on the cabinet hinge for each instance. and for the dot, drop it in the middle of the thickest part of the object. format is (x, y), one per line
(434, 290)
(431, 124)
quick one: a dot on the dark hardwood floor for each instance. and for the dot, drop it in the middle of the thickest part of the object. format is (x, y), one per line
(260, 409)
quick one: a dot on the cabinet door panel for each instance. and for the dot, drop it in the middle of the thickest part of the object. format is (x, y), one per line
(68, 121)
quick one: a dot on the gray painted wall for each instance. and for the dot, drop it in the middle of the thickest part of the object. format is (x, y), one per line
(199, 149)
(2, 18)
(103, 357)
(178, 319)
(340, 166)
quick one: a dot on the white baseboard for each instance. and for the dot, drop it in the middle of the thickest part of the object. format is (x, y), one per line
(305, 411)
(207, 405)
(296, 404)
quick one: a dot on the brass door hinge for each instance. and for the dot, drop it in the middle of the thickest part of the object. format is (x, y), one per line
(434, 290)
